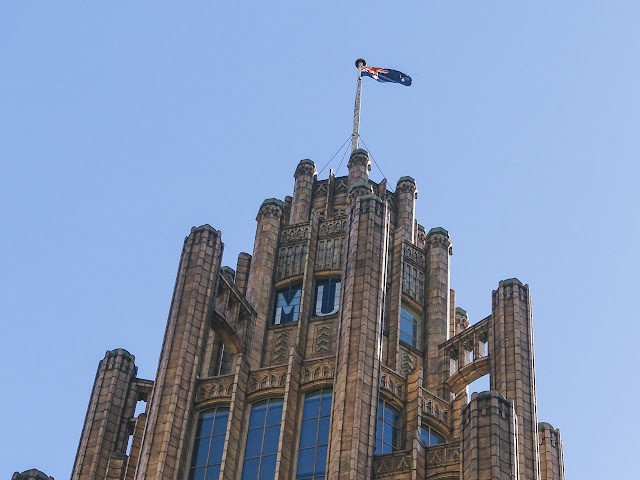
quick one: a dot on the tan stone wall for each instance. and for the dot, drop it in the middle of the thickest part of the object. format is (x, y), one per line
(512, 366)
(489, 439)
(111, 405)
(352, 437)
(355, 229)
(166, 440)
(551, 455)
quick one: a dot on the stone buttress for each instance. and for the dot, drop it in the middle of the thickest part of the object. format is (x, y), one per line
(170, 414)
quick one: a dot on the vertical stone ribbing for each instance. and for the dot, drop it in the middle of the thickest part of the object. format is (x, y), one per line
(437, 296)
(352, 436)
(261, 273)
(235, 426)
(290, 415)
(106, 422)
(300, 334)
(359, 166)
(305, 176)
(414, 406)
(513, 367)
(459, 402)
(489, 438)
(136, 443)
(405, 196)
(174, 390)
(551, 455)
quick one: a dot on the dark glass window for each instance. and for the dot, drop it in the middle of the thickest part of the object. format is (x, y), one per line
(288, 304)
(327, 297)
(409, 327)
(209, 442)
(262, 440)
(430, 436)
(314, 435)
(388, 429)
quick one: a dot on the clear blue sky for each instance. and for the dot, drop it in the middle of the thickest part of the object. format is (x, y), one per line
(122, 125)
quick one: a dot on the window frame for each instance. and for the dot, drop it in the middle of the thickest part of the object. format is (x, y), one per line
(268, 401)
(382, 403)
(327, 281)
(417, 323)
(429, 429)
(322, 392)
(287, 288)
(192, 468)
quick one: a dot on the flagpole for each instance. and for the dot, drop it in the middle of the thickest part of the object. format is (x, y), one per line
(356, 109)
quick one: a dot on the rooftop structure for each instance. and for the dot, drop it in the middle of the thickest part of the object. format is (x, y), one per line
(334, 351)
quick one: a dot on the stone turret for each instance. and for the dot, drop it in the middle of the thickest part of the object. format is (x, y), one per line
(512, 366)
(262, 271)
(437, 299)
(406, 194)
(111, 405)
(302, 191)
(489, 439)
(359, 166)
(162, 455)
(551, 454)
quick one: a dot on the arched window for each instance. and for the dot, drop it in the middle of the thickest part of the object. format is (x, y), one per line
(327, 297)
(388, 428)
(262, 440)
(430, 436)
(209, 442)
(314, 435)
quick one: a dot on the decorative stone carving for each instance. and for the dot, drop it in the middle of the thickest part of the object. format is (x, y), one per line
(435, 407)
(443, 454)
(408, 363)
(396, 462)
(413, 253)
(392, 383)
(295, 233)
(322, 339)
(318, 370)
(268, 378)
(291, 261)
(218, 387)
(271, 207)
(332, 227)
(280, 347)
(330, 253)
(305, 167)
(341, 185)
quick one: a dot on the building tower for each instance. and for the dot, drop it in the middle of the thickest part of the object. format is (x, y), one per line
(334, 351)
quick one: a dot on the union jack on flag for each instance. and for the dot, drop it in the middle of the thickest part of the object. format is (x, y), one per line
(386, 75)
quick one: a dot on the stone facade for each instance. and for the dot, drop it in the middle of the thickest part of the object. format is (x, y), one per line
(345, 296)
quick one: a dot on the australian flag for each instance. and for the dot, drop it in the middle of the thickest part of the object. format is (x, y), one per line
(387, 75)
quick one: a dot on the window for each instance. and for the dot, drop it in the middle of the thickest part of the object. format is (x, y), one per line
(388, 428)
(327, 297)
(314, 435)
(207, 447)
(288, 304)
(430, 436)
(262, 440)
(409, 327)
